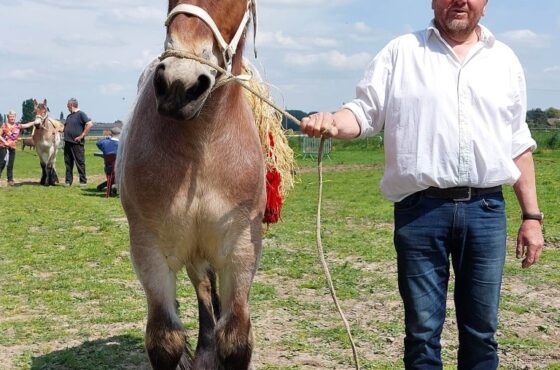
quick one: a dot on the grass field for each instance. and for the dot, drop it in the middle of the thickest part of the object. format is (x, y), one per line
(69, 298)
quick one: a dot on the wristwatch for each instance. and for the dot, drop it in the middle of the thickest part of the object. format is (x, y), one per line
(533, 216)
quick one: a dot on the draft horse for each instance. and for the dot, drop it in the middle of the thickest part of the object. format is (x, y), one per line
(192, 183)
(46, 138)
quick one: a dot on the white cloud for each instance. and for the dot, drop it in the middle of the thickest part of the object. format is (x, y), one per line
(526, 38)
(281, 41)
(28, 74)
(99, 4)
(110, 89)
(361, 27)
(95, 40)
(333, 59)
(138, 14)
(146, 57)
(553, 69)
(307, 3)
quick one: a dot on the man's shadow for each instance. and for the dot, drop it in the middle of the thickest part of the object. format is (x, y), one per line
(114, 353)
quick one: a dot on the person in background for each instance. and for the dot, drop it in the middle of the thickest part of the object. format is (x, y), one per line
(109, 145)
(451, 100)
(76, 128)
(8, 140)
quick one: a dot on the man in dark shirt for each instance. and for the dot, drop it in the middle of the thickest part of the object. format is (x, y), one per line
(76, 128)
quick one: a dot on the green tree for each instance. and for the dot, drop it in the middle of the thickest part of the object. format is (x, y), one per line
(28, 111)
(536, 117)
(552, 113)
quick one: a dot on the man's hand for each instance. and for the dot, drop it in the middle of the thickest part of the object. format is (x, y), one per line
(319, 124)
(530, 242)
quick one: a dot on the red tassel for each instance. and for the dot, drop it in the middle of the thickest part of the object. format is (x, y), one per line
(273, 198)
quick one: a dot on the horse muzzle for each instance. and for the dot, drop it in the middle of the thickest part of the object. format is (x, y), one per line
(181, 87)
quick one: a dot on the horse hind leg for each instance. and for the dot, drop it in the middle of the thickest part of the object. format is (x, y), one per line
(203, 279)
(52, 179)
(165, 337)
(54, 175)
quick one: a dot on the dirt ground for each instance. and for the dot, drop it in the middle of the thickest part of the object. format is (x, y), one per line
(532, 324)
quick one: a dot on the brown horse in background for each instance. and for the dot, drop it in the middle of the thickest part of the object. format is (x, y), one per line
(192, 183)
(46, 138)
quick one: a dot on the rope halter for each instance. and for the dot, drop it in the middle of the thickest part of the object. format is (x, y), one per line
(228, 50)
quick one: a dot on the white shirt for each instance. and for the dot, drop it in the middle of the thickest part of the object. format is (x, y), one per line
(446, 123)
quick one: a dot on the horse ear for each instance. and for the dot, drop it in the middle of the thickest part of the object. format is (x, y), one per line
(45, 102)
(35, 102)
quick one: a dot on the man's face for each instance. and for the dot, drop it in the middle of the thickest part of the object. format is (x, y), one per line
(458, 18)
(11, 118)
(69, 106)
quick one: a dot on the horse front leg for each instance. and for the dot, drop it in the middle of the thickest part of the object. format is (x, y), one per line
(52, 178)
(165, 337)
(234, 336)
(43, 174)
(203, 279)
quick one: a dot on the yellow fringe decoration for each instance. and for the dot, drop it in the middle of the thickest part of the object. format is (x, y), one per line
(269, 122)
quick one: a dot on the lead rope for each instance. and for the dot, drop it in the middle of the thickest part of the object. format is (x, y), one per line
(228, 76)
(322, 253)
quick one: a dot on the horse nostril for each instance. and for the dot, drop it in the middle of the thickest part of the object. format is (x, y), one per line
(160, 83)
(200, 86)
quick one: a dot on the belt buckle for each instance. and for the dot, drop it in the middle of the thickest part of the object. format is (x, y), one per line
(465, 199)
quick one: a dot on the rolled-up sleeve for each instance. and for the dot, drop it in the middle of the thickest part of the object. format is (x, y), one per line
(369, 104)
(521, 135)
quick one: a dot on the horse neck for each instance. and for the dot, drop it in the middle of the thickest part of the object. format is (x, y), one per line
(226, 104)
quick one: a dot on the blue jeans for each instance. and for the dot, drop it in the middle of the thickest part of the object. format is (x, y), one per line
(427, 232)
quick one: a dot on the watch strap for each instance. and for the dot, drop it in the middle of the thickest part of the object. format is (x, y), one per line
(533, 216)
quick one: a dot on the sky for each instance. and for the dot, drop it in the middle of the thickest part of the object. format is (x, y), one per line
(311, 52)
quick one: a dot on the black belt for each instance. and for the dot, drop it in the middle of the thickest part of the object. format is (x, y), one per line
(460, 193)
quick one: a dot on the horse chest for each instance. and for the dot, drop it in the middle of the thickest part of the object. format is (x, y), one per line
(204, 225)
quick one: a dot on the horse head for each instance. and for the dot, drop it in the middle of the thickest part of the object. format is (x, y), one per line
(41, 113)
(211, 30)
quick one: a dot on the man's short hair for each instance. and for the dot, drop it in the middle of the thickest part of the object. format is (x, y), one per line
(73, 102)
(11, 112)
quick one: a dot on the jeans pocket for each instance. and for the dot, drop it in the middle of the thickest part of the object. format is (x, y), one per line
(493, 203)
(409, 203)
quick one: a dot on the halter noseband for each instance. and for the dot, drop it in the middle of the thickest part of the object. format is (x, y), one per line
(228, 50)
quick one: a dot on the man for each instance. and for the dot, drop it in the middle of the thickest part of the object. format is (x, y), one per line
(108, 146)
(452, 102)
(76, 128)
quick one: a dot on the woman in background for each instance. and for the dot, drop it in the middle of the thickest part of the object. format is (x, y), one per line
(8, 139)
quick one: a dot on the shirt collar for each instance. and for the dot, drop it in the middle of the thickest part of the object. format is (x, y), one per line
(486, 37)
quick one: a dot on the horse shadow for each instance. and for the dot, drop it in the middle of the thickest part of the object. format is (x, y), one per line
(118, 352)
